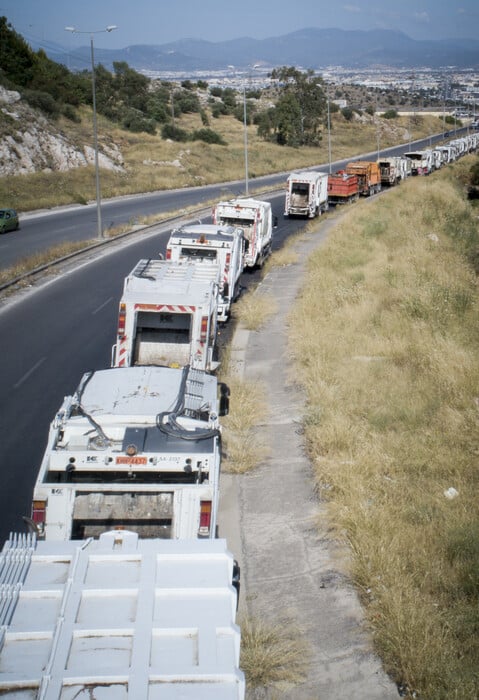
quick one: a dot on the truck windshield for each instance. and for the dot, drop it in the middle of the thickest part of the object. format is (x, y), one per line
(300, 188)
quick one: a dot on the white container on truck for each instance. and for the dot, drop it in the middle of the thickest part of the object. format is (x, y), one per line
(135, 447)
(255, 218)
(306, 194)
(168, 315)
(212, 245)
(119, 618)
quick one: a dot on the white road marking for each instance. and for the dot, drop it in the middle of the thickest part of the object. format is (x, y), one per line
(30, 371)
(99, 308)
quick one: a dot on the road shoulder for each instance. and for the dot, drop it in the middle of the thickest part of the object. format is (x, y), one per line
(293, 572)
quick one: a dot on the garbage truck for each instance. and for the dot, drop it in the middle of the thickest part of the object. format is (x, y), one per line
(255, 217)
(168, 315)
(135, 448)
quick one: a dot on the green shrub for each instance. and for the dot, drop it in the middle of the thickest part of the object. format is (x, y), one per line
(134, 120)
(174, 133)
(70, 113)
(42, 100)
(390, 114)
(208, 136)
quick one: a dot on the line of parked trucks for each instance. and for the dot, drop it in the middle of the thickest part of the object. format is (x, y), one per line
(122, 588)
(125, 590)
(309, 193)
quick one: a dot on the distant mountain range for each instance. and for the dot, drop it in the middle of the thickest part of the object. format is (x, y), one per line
(306, 48)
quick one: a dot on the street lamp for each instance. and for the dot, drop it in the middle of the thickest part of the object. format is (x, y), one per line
(376, 118)
(329, 130)
(245, 122)
(110, 28)
(245, 127)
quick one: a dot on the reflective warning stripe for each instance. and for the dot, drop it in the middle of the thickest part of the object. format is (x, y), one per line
(122, 353)
(165, 307)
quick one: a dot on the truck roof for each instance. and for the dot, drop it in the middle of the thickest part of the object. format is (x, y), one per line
(140, 393)
(121, 616)
(307, 175)
(177, 283)
(200, 233)
(242, 207)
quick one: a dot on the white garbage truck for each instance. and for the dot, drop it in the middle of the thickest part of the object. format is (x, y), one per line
(119, 618)
(393, 169)
(211, 244)
(255, 217)
(306, 194)
(168, 315)
(422, 162)
(136, 448)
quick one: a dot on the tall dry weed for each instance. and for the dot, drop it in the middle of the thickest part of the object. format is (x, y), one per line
(244, 442)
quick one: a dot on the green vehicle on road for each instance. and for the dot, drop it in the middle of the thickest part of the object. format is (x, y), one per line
(8, 220)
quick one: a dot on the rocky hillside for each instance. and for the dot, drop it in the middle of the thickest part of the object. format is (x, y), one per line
(31, 143)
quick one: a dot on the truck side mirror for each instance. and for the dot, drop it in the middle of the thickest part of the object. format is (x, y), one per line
(224, 407)
(236, 580)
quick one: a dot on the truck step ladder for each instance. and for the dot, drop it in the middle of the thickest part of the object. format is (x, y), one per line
(194, 392)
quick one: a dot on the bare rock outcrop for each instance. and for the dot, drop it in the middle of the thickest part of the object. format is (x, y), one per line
(29, 143)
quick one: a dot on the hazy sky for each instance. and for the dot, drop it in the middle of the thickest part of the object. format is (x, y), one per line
(161, 21)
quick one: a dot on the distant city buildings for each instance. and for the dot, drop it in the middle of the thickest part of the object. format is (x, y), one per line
(453, 90)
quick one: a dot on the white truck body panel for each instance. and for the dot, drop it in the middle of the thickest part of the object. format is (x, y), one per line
(255, 218)
(125, 451)
(306, 194)
(120, 618)
(212, 245)
(437, 160)
(460, 146)
(168, 315)
(421, 162)
(447, 153)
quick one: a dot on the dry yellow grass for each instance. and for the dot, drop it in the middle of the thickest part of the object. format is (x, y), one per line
(386, 340)
(253, 309)
(39, 259)
(244, 447)
(272, 654)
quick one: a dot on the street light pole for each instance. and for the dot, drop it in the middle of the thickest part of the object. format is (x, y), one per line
(245, 142)
(110, 28)
(329, 131)
(377, 124)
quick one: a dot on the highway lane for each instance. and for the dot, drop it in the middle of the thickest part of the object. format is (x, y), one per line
(52, 335)
(42, 230)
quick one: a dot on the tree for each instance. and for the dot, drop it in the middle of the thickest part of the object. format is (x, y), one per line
(288, 121)
(297, 118)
